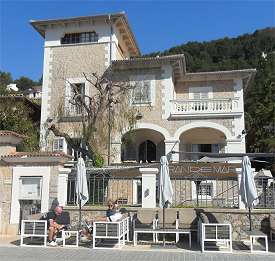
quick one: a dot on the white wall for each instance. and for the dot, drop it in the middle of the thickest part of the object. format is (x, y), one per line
(45, 96)
(18, 172)
(54, 34)
(168, 91)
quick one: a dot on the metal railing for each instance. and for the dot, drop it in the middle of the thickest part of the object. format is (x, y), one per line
(188, 192)
(127, 191)
(205, 192)
(266, 192)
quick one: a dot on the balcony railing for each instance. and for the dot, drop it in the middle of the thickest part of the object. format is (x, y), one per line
(217, 107)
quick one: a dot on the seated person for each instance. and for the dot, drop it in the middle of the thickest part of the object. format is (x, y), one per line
(56, 221)
(112, 208)
(113, 218)
(87, 232)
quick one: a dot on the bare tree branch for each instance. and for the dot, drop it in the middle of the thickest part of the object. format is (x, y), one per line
(105, 94)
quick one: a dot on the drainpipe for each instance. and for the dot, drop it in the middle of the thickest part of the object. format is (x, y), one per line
(111, 40)
(109, 94)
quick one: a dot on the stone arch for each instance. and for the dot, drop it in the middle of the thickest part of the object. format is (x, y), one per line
(148, 133)
(150, 126)
(203, 124)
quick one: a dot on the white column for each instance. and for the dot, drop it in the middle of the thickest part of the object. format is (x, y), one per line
(148, 187)
(172, 145)
(116, 152)
(239, 172)
(63, 185)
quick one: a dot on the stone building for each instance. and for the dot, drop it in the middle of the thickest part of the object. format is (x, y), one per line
(183, 111)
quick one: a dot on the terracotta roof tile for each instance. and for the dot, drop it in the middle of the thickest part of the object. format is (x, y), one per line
(11, 133)
(36, 154)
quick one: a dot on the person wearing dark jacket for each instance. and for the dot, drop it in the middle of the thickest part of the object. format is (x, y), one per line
(56, 220)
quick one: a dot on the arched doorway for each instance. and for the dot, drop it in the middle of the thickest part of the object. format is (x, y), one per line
(147, 151)
(142, 145)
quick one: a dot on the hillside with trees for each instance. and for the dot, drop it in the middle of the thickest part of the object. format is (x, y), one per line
(19, 114)
(255, 50)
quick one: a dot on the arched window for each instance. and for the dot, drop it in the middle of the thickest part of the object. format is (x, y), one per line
(147, 151)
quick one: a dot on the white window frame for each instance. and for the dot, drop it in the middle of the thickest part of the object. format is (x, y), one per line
(204, 182)
(22, 194)
(57, 139)
(70, 108)
(32, 171)
(206, 89)
(142, 78)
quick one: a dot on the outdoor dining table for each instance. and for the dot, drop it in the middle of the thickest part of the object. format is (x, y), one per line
(161, 231)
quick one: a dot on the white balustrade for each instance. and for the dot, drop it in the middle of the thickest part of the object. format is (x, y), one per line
(205, 106)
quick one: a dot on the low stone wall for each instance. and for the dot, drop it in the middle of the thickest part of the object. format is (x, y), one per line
(238, 218)
(240, 221)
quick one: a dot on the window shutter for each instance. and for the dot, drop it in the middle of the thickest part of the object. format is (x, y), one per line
(147, 91)
(204, 95)
(196, 96)
(198, 93)
(137, 92)
(67, 98)
(61, 145)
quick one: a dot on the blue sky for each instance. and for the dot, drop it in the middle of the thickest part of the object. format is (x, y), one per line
(157, 25)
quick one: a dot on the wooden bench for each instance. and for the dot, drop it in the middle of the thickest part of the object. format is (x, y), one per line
(107, 232)
(34, 229)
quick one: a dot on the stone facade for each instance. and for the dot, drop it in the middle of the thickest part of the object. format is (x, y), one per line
(169, 83)
(5, 202)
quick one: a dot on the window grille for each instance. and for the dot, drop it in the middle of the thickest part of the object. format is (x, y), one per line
(205, 190)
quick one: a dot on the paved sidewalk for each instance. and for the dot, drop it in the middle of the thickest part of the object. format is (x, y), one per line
(11, 251)
(15, 253)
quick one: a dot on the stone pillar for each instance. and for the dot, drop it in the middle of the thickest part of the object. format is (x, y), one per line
(235, 146)
(63, 185)
(172, 145)
(148, 187)
(116, 152)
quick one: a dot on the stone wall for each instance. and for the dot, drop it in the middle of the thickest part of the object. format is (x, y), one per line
(5, 200)
(70, 62)
(238, 218)
(240, 222)
(53, 186)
